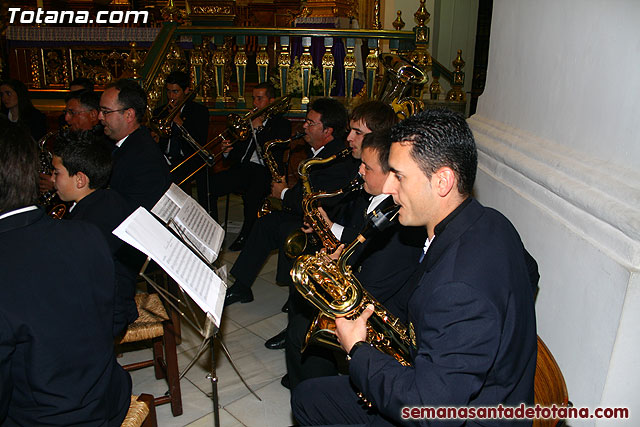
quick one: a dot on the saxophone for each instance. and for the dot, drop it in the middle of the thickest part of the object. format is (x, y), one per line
(334, 290)
(46, 167)
(271, 164)
(298, 241)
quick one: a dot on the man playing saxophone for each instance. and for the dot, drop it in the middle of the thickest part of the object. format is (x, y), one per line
(470, 307)
(384, 262)
(248, 174)
(325, 128)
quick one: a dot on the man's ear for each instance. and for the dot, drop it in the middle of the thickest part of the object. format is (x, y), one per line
(82, 180)
(444, 180)
(94, 115)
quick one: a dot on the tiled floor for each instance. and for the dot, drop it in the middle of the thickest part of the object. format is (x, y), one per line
(244, 329)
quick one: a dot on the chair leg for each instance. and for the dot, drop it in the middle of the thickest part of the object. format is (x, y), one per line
(158, 357)
(173, 376)
(226, 212)
(151, 420)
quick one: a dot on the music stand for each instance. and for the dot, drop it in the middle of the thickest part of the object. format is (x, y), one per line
(207, 329)
(184, 241)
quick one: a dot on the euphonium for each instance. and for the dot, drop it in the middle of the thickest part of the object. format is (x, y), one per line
(401, 79)
(298, 241)
(334, 290)
(272, 165)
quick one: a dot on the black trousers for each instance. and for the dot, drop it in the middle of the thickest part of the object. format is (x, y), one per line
(332, 401)
(268, 234)
(251, 180)
(316, 361)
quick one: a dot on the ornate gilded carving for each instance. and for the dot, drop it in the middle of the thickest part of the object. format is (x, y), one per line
(377, 25)
(133, 63)
(398, 24)
(284, 62)
(262, 60)
(306, 63)
(240, 62)
(371, 64)
(171, 13)
(34, 63)
(349, 68)
(218, 58)
(434, 88)
(457, 93)
(328, 63)
(212, 10)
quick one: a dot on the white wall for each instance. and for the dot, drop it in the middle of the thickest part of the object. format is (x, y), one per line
(559, 153)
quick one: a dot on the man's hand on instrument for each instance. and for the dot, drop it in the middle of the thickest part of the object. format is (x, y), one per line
(155, 137)
(276, 189)
(324, 215)
(350, 332)
(178, 120)
(46, 183)
(336, 254)
(257, 122)
(306, 228)
(226, 146)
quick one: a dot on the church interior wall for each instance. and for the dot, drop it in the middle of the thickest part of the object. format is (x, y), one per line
(558, 149)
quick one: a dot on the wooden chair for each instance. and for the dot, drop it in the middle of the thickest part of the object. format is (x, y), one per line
(154, 324)
(141, 413)
(549, 385)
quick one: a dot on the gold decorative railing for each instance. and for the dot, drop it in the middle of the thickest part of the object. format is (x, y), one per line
(220, 58)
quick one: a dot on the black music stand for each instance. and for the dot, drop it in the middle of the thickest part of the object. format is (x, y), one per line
(183, 305)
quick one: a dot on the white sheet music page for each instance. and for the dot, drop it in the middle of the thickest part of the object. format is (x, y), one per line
(191, 221)
(147, 234)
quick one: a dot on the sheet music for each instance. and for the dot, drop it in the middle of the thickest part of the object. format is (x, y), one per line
(190, 220)
(147, 234)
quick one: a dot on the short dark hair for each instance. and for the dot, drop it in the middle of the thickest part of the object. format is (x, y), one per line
(85, 82)
(333, 115)
(376, 115)
(179, 78)
(380, 142)
(270, 89)
(19, 167)
(441, 137)
(87, 98)
(131, 95)
(84, 151)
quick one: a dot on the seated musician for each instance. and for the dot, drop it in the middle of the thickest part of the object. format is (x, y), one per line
(81, 168)
(78, 84)
(366, 117)
(383, 263)
(471, 316)
(140, 172)
(57, 362)
(248, 174)
(193, 117)
(81, 111)
(325, 128)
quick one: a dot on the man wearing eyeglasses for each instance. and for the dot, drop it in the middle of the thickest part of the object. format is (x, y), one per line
(325, 129)
(140, 171)
(81, 111)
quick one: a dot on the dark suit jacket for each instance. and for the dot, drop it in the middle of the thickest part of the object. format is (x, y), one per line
(140, 172)
(326, 178)
(195, 118)
(106, 209)
(384, 262)
(57, 364)
(473, 315)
